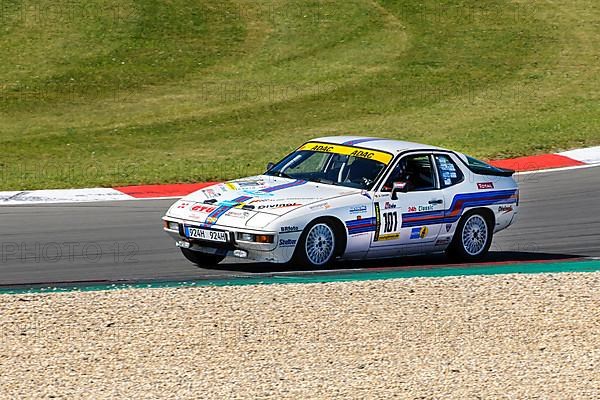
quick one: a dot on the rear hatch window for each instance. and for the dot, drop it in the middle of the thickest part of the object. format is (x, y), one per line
(480, 167)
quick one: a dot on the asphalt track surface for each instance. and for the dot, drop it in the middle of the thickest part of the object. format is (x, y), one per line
(559, 218)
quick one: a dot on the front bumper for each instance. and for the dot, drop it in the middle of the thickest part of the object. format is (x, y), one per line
(260, 252)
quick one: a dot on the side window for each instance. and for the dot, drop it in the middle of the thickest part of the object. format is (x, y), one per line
(415, 170)
(449, 172)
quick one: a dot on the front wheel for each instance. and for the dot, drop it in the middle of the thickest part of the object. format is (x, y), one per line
(202, 259)
(317, 245)
(472, 239)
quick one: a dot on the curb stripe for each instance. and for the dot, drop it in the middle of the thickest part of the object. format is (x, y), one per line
(579, 266)
(533, 163)
(169, 190)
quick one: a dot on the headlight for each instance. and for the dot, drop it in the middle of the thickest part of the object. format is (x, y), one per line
(245, 237)
(174, 226)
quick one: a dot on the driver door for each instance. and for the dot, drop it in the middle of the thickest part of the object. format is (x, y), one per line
(408, 221)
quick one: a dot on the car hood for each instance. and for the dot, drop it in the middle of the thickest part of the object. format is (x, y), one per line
(239, 200)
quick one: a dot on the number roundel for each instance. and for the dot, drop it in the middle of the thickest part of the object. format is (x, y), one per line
(390, 221)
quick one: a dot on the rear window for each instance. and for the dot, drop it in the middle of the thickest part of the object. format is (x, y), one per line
(481, 167)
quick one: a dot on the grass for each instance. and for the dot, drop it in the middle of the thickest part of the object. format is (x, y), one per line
(105, 92)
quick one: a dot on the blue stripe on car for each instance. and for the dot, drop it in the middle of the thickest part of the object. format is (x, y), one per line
(283, 186)
(358, 141)
(459, 203)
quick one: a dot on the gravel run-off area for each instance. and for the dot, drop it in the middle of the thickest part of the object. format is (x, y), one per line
(503, 336)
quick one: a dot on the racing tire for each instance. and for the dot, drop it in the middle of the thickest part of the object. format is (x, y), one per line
(317, 245)
(473, 237)
(202, 259)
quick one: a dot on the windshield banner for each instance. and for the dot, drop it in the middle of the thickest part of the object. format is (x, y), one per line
(380, 156)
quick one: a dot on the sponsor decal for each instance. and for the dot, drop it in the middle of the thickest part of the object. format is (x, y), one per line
(210, 193)
(505, 209)
(249, 183)
(485, 185)
(389, 236)
(325, 149)
(389, 205)
(286, 229)
(448, 227)
(230, 186)
(211, 220)
(358, 210)
(428, 207)
(238, 214)
(419, 232)
(278, 205)
(183, 204)
(443, 241)
(287, 242)
(203, 208)
(377, 221)
(369, 154)
(363, 154)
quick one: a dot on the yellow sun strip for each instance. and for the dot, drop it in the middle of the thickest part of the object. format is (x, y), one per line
(348, 151)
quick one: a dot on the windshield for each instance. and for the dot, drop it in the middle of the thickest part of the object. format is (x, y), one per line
(333, 164)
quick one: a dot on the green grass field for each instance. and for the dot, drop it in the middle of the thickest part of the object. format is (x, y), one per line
(106, 92)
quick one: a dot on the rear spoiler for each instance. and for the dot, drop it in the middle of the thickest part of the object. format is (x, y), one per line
(495, 171)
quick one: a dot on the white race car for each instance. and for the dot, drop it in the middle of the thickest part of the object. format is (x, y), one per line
(349, 198)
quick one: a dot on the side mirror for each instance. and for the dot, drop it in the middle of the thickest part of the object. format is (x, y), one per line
(270, 165)
(398, 187)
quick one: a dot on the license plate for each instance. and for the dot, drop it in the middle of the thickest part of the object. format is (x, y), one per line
(206, 234)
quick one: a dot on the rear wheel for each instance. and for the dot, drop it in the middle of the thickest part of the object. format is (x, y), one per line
(473, 237)
(317, 244)
(202, 259)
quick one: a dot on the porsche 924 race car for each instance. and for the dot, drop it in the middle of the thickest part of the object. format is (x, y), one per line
(349, 198)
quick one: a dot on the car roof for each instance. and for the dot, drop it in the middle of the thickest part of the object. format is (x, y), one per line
(374, 143)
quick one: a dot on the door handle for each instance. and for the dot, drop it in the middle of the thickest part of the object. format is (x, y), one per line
(438, 201)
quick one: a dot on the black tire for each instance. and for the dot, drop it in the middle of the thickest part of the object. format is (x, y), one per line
(319, 230)
(202, 259)
(468, 243)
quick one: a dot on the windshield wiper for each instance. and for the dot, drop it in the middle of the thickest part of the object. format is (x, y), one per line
(280, 174)
(322, 180)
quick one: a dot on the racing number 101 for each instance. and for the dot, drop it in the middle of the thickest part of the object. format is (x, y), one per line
(390, 222)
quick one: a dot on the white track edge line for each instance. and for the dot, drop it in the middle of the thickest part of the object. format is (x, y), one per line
(540, 171)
